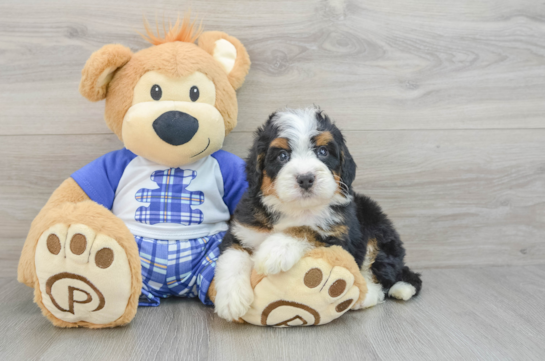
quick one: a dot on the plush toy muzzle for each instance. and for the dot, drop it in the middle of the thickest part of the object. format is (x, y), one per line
(176, 128)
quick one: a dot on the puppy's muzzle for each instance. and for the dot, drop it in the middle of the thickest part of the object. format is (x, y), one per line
(176, 128)
(306, 181)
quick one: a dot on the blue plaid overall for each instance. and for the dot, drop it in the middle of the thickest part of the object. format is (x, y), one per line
(177, 268)
(167, 210)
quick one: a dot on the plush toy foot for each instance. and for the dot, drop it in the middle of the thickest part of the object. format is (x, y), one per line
(84, 278)
(321, 287)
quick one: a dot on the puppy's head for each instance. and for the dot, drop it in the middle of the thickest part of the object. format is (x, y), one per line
(299, 161)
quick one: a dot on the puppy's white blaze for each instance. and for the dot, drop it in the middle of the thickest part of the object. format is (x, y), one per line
(279, 252)
(249, 237)
(298, 126)
(402, 291)
(234, 290)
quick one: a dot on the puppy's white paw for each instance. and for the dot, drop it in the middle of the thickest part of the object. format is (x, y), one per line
(231, 304)
(374, 296)
(234, 293)
(279, 253)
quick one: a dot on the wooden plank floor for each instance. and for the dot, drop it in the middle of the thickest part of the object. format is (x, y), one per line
(493, 313)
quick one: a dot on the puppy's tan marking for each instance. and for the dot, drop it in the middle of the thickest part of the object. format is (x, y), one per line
(323, 138)
(262, 218)
(260, 161)
(267, 185)
(370, 256)
(340, 187)
(240, 248)
(280, 143)
(305, 233)
(338, 231)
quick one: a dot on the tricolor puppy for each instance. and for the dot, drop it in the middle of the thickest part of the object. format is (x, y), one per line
(300, 196)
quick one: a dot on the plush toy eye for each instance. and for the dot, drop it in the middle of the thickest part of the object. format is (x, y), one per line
(156, 92)
(323, 152)
(283, 156)
(194, 93)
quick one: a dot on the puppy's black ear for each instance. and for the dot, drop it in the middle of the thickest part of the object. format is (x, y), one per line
(348, 166)
(255, 164)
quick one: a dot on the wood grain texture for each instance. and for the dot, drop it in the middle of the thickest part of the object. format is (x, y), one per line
(373, 65)
(458, 198)
(462, 314)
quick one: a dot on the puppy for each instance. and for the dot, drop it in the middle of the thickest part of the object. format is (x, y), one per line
(300, 196)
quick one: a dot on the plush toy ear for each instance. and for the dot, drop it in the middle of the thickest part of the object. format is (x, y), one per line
(229, 52)
(100, 68)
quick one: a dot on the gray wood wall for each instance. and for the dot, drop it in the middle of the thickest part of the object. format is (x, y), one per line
(442, 103)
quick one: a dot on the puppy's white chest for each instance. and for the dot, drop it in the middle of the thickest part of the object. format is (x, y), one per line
(308, 220)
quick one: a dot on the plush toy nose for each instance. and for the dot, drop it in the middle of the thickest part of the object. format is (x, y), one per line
(176, 127)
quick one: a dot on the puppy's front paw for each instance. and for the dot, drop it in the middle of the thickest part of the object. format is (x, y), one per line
(231, 304)
(234, 293)
(279, 253)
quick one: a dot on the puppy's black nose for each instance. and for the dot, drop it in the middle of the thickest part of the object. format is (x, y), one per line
(175, 127)
(306, 180)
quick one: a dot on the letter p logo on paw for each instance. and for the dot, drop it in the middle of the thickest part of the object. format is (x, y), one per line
(77, 286)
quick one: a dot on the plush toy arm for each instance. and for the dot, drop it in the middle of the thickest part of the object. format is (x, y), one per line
(321, 287)
(68, 191)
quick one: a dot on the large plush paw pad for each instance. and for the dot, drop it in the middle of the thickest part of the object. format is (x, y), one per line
(313, 292)
(83, 276)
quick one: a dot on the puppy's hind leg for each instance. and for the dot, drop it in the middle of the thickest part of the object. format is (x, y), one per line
(375, 292)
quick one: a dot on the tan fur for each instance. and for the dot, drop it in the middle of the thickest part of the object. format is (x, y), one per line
(338, 231)
(109, 56)
(323, 138)
(304, 233)
(370, 256)
(267, 185)
(263, 220)
(61, 209)
(280, 143)
(212, 292)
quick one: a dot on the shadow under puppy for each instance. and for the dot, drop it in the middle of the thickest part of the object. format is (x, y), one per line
(300, 197)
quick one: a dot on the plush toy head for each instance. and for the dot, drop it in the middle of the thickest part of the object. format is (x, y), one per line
(174, 102)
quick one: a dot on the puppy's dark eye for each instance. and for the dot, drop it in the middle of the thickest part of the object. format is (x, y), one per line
(283, 156)
(322, 152)
(194, 93)
(156, 92)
